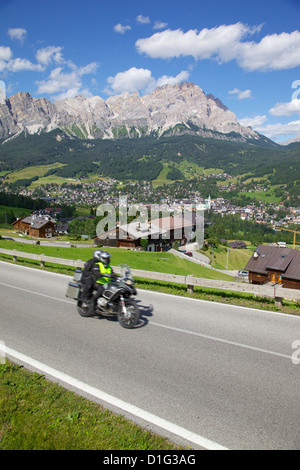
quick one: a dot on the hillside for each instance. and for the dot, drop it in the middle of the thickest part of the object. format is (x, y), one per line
(155, 137)
(144, 158)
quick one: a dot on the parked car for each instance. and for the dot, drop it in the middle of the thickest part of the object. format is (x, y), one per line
(243, 273)
(188, 253)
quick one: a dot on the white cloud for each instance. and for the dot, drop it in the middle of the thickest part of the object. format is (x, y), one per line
(130, 80)
(19, 65)
(274, 52)
(66, 79)
(48, 54)
(118, 28)
(15, 65)
(87, 69)
(44, 58)
(140, 80)
(59, 81)
(160, 25)
(5, 53)
(242, 95)
(219, 42)
(277, 131)
(225, 43)
(17, 33)
(143, 19)
(286, 109)
(66, 84)
(253, 122)
(167, 80)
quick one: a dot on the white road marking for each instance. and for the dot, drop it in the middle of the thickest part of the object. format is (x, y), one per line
(221, 340)
(116, 402)
(36, 293)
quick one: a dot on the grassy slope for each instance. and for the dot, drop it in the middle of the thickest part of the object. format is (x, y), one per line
(156, 262)
(237, 259)
(18, 212)
(31, 171)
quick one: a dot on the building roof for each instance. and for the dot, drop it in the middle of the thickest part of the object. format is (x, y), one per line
(237, 244)
(272, 258)
(35, 221)
(176, 222)
(133, 230)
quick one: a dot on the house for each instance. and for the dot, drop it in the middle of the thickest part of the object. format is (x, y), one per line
(177, 228)
(130, 236)
(276, 265)
(237, 244)
(62, 229)
(36, 226)
(110, 238)
(160, 233)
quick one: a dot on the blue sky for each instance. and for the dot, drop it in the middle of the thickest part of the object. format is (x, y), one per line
(247, 53)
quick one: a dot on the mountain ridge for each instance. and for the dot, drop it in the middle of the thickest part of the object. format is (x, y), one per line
(167, 111)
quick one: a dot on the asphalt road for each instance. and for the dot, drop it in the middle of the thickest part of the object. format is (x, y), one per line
(229, 375)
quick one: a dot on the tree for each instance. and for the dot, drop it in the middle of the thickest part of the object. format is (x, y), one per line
(144, 243)
(90, 228)
(76, 228)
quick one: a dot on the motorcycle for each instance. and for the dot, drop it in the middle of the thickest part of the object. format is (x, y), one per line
(115, 301)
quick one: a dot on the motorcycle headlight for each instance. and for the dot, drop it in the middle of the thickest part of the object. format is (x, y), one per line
(129, 282)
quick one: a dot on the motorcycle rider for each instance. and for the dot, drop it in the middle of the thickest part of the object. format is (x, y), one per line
(88, 279)
(102, 273)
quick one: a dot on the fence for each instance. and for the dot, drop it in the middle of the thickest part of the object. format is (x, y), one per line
(276, 292)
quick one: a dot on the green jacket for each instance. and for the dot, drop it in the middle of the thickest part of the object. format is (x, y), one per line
(103, 270)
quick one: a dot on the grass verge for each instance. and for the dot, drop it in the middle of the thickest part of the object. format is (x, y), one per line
(36, 414)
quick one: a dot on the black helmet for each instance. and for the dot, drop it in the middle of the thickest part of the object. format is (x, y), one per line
(105, 258)
(97, 255)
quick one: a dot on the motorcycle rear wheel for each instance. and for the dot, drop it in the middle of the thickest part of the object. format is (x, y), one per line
(131, 317)
(83, 310)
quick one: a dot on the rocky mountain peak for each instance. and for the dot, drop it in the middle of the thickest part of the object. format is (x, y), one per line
(168, 110)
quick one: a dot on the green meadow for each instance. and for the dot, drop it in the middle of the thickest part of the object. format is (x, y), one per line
(157, 262)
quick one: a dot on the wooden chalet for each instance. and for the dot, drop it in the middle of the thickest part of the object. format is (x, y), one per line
(276, 265)
(130, 236)
(36, 226)
(176, 228)
(113, 238)
(160, 233)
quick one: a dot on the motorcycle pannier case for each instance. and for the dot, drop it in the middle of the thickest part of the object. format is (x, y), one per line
(73, 290)
(77, 275)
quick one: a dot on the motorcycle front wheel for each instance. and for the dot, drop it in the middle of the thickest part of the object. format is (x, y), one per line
(130, 318)
(83, 310)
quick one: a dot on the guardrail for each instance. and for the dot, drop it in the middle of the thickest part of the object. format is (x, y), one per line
(275, 292)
